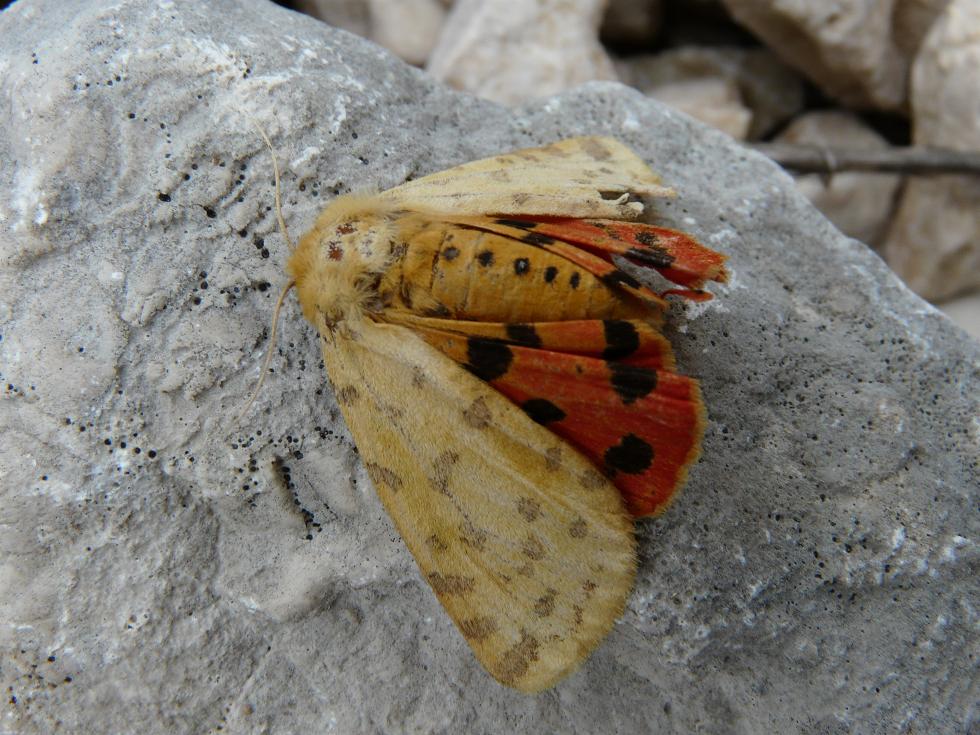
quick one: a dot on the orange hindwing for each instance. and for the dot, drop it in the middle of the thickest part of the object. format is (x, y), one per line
(607, 386)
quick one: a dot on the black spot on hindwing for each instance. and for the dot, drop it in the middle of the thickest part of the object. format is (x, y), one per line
(631, 382)
(622, 339)
(451, 253)
(536, 238)
(523, 334)
(487, 359)
(550, 273)
(519, 224)
(485, 258)
(632, 455)
(543, 411)
(522, 266)
(617, 277)
(652, 255)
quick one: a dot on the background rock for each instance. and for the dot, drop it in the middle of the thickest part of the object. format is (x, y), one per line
(859, 204)
(351, 15)
(935, 241)
(748, 90)
(713, 101)
(632, 23)
(965, 311)
(856, 51)
(510, 51)
(164, 570)
(407, 28)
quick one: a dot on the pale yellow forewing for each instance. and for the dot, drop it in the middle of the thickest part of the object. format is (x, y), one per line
(580, 177)
(525, 544)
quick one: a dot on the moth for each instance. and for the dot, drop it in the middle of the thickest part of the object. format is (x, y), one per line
(507, 384)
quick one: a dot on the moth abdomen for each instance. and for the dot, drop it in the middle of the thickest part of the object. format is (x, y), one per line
(468, 273)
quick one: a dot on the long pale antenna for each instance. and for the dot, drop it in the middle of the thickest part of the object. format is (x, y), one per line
(268, 351)
(282, 294)
(275, 169)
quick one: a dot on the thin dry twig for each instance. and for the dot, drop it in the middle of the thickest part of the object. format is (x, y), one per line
(912, 160)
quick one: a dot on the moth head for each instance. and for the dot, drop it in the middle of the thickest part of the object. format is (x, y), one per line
(338, 264)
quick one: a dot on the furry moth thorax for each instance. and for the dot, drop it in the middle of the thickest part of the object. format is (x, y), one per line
(338, 264)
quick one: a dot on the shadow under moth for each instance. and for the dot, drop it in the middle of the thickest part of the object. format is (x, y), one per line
(507, 384)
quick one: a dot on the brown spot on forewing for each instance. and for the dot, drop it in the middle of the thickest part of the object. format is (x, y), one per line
(383, 476)
(594, 149)
(347, 395)
(552, 459)
(516, 660)
(555, 150)
(390, 411)
(533, 549)
(478, 627)
(592, 480)
(578, 528)
(475, 538)
(436, 544)
(478, 414)
(441, 469)
(589, 587)
(529, 509)
(545, 605)
(451, 584)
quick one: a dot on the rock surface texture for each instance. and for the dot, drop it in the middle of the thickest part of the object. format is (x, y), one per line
(164, 569)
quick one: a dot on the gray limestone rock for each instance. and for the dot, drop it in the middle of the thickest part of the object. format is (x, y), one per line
(163, 569)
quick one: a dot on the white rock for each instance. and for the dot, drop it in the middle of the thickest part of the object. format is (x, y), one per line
(409, 28)
(757, 80)
(713, 101)
(514, 50)
(935, 241)
(857, 51)
(965, 311)
(859, 203)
